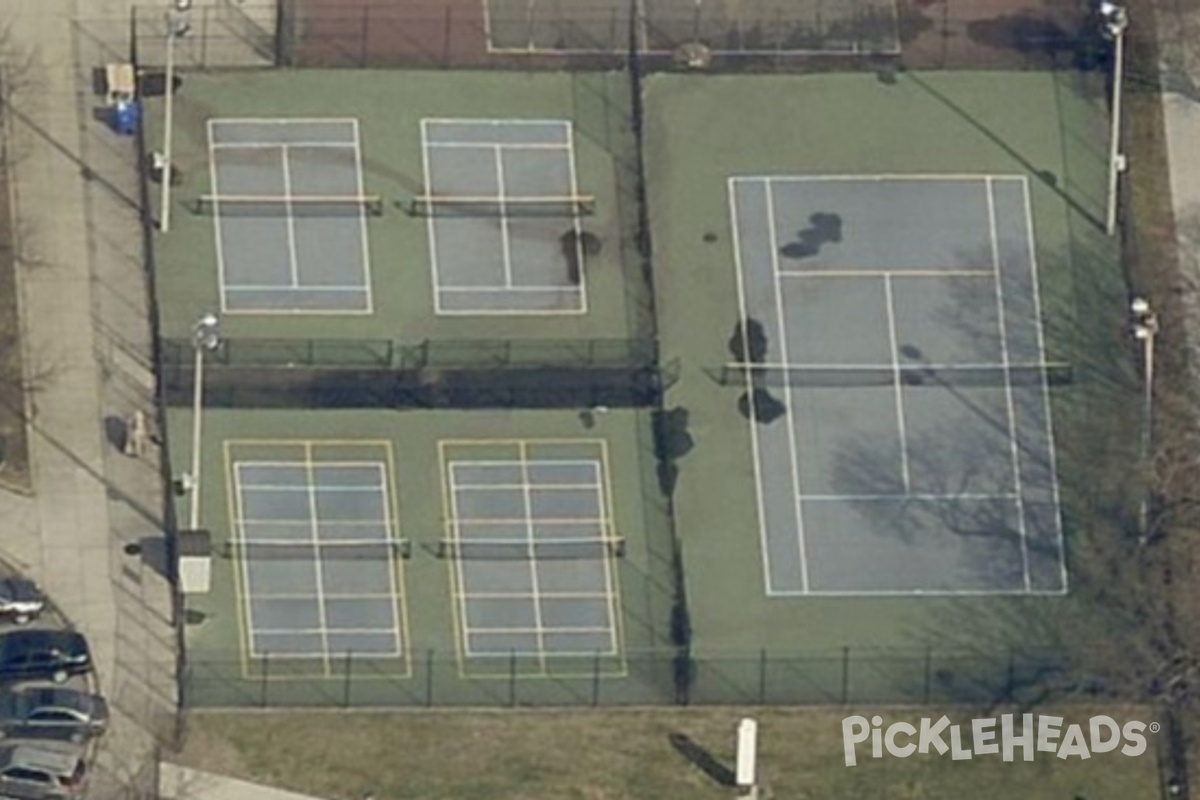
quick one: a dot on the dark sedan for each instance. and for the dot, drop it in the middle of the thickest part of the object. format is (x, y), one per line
(33, 654)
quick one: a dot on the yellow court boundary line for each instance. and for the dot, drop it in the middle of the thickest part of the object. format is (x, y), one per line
(457, 585)
(240, 573)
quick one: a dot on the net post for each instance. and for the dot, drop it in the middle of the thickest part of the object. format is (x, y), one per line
(346, 681)
(845, 674)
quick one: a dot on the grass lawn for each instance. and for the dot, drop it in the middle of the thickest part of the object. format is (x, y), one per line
(598, 755)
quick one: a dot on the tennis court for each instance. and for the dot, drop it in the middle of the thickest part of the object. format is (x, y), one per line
(289, 216)
(529, 534)
(313, 534)
(504, 216)
(899, 339)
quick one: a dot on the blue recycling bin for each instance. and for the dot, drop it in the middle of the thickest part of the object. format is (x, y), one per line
(126, 116)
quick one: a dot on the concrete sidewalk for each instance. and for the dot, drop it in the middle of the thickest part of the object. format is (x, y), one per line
(86, 331)
(181, 783)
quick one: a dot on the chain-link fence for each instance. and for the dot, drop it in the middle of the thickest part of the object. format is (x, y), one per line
(711, 35)
(666, 676)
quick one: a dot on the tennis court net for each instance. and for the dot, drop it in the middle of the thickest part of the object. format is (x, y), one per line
(271, 550)
(757, 375)
(532, 549)
(243, 205)
(567, 207)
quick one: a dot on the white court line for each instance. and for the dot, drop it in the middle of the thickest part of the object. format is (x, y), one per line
(392, 533)
(1014, 454)
(234, 122)
(316, 541)
(921, 593)
(509, 289)
(291, 221)
(575, 220)
(781, 329)
(544, 594)
(608, 528)
(483, 487)
(900, 272)
(429, 229)
(999, 367)
(539, 462)
(505, 245)
(505, 145)
(743, 326)
(282, 287)
(872, 177)
(242, 566)
(274, 145)
(809, 498)
(329, 595)
(1050, 443)
(362, 221)
(212, 177)
(533, 573)
(511, 312)
(504, 629)
(539, 520)
(899, 386)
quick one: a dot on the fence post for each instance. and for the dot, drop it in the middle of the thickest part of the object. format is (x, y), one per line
(429, 677)
(762, 676)
(845, 674)
(596, 679)
(346, 683)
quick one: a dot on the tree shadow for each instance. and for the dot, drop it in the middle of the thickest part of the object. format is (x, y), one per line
(702, 759)
(822, 229)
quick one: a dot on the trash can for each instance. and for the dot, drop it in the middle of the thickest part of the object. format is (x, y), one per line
(126, 116)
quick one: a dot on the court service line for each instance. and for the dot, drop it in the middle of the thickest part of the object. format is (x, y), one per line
(533, 573)
(739, 281)
(394, 565)
(889, 300)
(576, 225)
(505, 145)
(509, 289)
(362, 220)
(905, 497)
(781, 329)
(430, 233)
(1050, 443)
(612, 581)
(241, 581)
(216, 189)
(453, 566)
(274, 145)
(318, 569)
(898, 272)
(505, 243)
(291, 220)
(1014, 453)
(281, 287)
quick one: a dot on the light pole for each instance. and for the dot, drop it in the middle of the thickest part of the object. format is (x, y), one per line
(178, 25)
(1145, 329)
(206, 337)
(1115, 19)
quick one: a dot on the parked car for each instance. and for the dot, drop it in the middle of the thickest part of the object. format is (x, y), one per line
(36, 653)
(20, 599)
(52, 711)
(38, 770)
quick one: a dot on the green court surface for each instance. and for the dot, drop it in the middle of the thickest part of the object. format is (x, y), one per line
(386, 110)
(1045, 129)
(227, 664)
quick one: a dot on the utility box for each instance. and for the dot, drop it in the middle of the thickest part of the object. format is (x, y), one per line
(194, 551)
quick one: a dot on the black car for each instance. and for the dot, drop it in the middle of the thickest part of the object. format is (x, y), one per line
(20, 599)
(39, 654)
